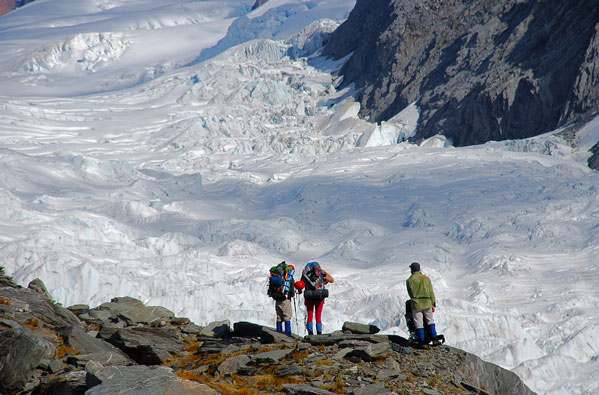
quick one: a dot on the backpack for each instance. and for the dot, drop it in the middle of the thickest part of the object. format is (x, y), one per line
(313, 277)
(280, 281)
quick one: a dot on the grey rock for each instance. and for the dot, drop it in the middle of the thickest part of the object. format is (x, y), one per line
(371, 352)
(80, 341)
(360, 329)
(143, 380)
(79, 309)
(303, 389)
(430, 391)
(145, 315)
(55, 366)
(146, 346)
(494, 378)
(40, 307)
(10, 324)
(38, 286)
(343, 353)
(105, 358)
(6, 312)
(233, 348)
(106, 332)
(474, 389)
(69, 383)
(98, 316)
(353, 343)
(191, 329)
(233, 364)
(386, 374)
(373, 389)
(180, 321)
(218, 329)
(400, 349)
(267, 335)
(478, 71)
(270, 335)
(336, 338)
(593, 160)
(391, 363)
(293, 370)
(271, 356)
(300, 346)
(122, 301)
(21, 351)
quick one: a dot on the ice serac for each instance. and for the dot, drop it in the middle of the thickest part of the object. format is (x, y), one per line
(479, 71)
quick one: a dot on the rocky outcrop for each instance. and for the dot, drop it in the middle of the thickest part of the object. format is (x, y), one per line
(103, 350)
(258, 3)
(478, 70)
(594, 159)
(7, 6)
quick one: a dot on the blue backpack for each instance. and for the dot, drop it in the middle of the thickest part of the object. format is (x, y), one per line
(280, 281)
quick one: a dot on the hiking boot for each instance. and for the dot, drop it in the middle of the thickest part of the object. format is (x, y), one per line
(436, 343)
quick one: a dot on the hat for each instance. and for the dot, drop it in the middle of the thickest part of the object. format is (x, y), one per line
(415, 266)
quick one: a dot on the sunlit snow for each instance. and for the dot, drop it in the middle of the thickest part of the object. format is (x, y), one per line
(173, 151)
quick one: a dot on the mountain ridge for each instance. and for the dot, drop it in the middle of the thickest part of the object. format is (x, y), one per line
(480, 71)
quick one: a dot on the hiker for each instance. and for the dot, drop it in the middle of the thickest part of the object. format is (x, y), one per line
(423, 304)
(281, 288)
(315, 278)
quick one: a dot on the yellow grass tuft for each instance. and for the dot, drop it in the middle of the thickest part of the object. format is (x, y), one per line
(61, 351)
(33, 324)
(323, 362)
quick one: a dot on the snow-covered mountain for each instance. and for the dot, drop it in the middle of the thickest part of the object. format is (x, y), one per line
(173, 151)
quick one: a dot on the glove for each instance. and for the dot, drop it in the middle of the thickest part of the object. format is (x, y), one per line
(433, 309)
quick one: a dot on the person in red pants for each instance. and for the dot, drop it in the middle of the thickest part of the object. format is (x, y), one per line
(315, 278)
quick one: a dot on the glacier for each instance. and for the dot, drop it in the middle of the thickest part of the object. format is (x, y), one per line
(173, 151)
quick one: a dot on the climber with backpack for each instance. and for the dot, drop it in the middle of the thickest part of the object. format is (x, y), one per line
(281, 287)
(421, 306)
(314, 279)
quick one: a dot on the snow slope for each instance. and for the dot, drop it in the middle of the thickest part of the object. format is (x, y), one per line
(174, 150)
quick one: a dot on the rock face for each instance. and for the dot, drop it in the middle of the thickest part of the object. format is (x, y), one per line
(478, 70)
(7, 6)
(258, 3)
(124, 346)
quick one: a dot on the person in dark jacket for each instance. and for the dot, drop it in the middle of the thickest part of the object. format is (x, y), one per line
(423, 302)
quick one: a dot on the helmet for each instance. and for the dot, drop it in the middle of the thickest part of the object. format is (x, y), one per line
(299, 285)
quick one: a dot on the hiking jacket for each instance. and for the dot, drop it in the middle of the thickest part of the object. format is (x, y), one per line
(421, 292)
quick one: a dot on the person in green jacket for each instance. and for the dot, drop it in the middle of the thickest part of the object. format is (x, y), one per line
(423, 300)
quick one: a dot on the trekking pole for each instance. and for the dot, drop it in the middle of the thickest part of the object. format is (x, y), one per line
(296, 321)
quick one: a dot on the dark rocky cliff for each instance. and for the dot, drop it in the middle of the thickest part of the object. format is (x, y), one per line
(258, 3)
(479, 70)
(123, 346)
(7, 6)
